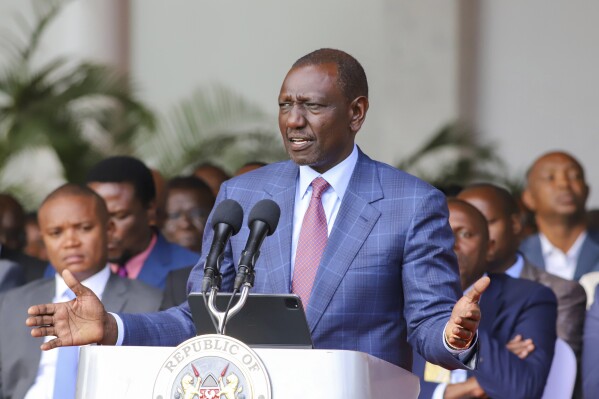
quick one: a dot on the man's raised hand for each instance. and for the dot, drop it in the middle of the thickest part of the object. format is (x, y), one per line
(465, 317)
(80, 321)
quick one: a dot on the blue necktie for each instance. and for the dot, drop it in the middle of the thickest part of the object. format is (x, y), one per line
(66, 369)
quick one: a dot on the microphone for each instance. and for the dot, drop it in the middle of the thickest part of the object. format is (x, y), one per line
(263, 221)
(226, 221)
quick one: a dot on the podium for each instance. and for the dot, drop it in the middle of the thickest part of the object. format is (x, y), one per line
(130, 372)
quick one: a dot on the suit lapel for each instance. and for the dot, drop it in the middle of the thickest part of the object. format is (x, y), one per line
(534, 253)
(115, 294)
(491, 303)
(589, 257)
(354, 222)
(152, 272)
(277, 249)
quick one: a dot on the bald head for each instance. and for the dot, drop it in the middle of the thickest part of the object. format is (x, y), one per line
(501, 212)
(74, 190)
(471, 240)
(12, 223)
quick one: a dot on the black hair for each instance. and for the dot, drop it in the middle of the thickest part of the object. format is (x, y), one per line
(350, 74)
(125, 169)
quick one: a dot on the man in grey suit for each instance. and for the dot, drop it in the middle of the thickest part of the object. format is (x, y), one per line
(500, 209)
(556, 191)
(385, 276)
(75, 226)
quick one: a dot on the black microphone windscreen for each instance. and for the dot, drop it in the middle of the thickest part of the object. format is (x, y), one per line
(266, 211)
(230, 212)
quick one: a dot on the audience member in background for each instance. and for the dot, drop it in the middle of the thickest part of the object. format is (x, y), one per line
(11, 275)
(76, 228)
(248, 167)
(137, 249)
(556, 192)
(500, 209)
(35, 244)
(159, 185)
(510, 308)
(188, 203)
(12, 238)
(590, 352)
(212, 175)
(593, 219)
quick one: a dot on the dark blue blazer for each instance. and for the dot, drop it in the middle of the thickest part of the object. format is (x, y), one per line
(590, 351)
(388, 275)
(588, 261)
(510, 307)
(165, 256)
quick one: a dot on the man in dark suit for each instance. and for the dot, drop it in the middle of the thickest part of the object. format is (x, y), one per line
(500, 209)
(137, 249)
(11, 275)
(388, 274)
(510, 307)
(76, 228)
(13, 238)
(556, 191)
(590, 352)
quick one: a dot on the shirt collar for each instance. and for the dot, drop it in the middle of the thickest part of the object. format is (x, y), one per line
(547, 248)
(96, 283)
(516, 269)
(338, 176)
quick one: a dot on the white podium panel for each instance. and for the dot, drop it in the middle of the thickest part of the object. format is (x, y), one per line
(130, 372)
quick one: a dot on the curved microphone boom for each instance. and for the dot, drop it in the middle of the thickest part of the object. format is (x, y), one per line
(226, 221)
(262, 221)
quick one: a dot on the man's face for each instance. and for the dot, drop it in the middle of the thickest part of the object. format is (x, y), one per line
(75, 236)
(131, 219)
(186, 214)
(470, 241)
(556, 187)
(315, 118)
(503, 228)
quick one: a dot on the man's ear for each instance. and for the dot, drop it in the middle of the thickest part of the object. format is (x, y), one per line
(490, 250)
(358, 110)
(516, 224)
(528, 200)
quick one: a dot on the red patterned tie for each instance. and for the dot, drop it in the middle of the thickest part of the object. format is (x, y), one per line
(312, 241)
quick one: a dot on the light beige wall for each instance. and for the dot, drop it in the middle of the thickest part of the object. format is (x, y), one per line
(407, 48)
(538, 81)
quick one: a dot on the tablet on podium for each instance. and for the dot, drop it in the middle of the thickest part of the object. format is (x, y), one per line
(266, 320)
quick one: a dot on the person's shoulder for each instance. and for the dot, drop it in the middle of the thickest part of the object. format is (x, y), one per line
(177, 251)
(267, 174)
(19, 295)
(394, 179)
(593, 234)
(524, 289)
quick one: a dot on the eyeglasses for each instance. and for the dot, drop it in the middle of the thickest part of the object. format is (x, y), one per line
(193, 214)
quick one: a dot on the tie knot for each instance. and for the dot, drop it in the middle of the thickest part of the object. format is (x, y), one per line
(319, 185)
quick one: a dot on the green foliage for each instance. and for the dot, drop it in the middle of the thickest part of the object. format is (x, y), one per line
(214, 125)
(82, 111)
(456, 156)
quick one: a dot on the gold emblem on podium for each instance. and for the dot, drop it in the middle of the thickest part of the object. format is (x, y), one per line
(212, 367)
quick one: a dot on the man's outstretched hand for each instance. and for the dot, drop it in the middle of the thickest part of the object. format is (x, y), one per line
(465, 317)
(80, 321)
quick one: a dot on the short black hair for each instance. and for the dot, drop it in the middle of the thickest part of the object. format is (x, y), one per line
(125, 169)
(506, 199)
(190, 183)
(76, 190)
(350, 74)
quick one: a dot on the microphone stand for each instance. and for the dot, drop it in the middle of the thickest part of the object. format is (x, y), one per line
(223, 317)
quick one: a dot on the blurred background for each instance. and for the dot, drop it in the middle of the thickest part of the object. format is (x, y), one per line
(460, 90)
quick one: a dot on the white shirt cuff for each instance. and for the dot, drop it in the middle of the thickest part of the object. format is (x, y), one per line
(120, 328)
(439, 391)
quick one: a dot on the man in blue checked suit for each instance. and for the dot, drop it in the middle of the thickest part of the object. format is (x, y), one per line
(387, 277)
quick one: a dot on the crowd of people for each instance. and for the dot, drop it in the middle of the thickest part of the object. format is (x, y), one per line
(132, 243)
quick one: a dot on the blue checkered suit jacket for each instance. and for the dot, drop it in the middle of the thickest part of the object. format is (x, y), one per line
(388, 275)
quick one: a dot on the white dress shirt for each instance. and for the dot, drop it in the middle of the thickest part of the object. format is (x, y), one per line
(43, 387)
(559, 263)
